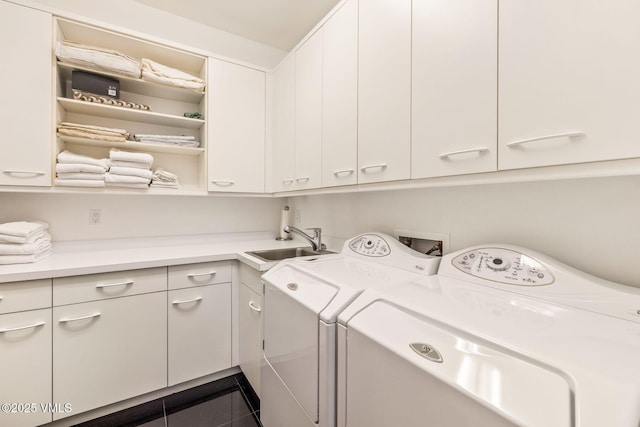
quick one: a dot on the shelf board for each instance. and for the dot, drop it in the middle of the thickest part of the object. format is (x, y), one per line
(134, 145)
(133, 85)
(121, 113)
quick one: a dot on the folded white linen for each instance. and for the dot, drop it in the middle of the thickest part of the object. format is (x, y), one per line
(159, 73)
(67, 156)
(79, 168)
(127, 185)
(22, 231)
(40, 245)
(180, 142)
(110, 178)
(163, 175)
(94, 183)
(92, 128)
(23, 259)
(95, 57)
(127, 156)
(80, 133)
(160, 184)
(119, 170)
(121, 164)
(81, 175)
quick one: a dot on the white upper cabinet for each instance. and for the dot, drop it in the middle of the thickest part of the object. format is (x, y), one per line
(27, 85)
(454, 86)
(340, 97)
(284, 126)
(384, 92)
(236, 128)
(308, 113)
(568, 88)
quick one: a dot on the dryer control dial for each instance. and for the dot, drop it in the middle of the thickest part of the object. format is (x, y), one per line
(503, 266)
(370, 245)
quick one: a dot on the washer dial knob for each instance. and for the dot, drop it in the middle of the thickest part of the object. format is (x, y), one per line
(498, 264)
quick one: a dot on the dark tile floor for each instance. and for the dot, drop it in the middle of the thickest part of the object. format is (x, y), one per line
(228, 402)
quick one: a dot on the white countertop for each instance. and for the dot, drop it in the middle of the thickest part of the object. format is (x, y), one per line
(100, 256)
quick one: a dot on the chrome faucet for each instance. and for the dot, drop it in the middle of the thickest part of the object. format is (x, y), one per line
(315, 241)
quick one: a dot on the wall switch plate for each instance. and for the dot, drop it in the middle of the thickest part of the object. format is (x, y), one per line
(94, 216)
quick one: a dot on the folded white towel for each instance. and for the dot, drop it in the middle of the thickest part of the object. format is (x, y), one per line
(140, 136)
(127, 156)
(93, 183)
(110, 178)
(136, 165)
(95, 57)
(159, 73)
(119, 170)
(163, 175)
(81, 175)
(67, 156)
(79, 168)
(127, 185)
(40, 245)
(22, 231)
(23, 259)
(161, 184)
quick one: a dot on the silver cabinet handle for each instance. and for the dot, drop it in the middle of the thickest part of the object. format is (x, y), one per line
(112, 285)
(19, 172)
(185, 301)
(469, 150)
(542, 138)
(303, 179)
(223, 183)
(344, 172)
(74, 319)
(287, 182)
(19, 328)
(194, 275)
(381, 167)
(254, 307)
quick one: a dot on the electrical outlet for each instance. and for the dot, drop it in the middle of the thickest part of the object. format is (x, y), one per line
(298, 216)
(94, 216)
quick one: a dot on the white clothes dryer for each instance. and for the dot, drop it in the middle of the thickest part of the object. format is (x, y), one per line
(502, 336)
(303, 297)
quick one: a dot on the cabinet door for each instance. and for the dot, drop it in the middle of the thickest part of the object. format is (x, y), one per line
(384, 92)
(199, 331)
(568, 85)
(454, 86)
(25, 367)
(308, 116)
(340, 97)
(236, 138)
(250, 331)
(107, 351)
(26, 116)
(285, 127)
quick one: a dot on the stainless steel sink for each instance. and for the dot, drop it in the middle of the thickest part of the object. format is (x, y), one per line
(280, 254)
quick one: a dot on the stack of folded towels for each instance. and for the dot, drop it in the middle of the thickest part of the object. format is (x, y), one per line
(181, 140)
(80, 171)
(129, 170)
(24, 242)
(164, 179)
(97, 133)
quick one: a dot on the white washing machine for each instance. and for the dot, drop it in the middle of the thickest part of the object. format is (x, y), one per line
(303, 297)
(502, 336)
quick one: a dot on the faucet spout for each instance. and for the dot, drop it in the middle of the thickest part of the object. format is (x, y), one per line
(315, 241)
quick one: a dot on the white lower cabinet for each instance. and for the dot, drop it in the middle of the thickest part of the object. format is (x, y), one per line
(250, 318)
(199, 331)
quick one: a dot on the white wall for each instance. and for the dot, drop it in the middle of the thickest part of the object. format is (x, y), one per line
(124, 216)
(590, 224)
(137, 17)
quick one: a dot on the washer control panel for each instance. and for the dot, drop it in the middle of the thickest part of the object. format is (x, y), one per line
(503, 266)
(370, 245)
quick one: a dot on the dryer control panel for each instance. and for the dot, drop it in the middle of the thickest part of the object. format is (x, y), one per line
(503, 266)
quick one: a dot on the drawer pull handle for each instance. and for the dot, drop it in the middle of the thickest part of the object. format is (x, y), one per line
(254, 307)
(19, 328)
(542, 138)
(343, 172)
(195, 275)
(381, 167)
(112, 285)
(185, 301)
(74, 319)
(18, 173)
(223, 183)
(470, 150)
(302, 179)
(287, 182)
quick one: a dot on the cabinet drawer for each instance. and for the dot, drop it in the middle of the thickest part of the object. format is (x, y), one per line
(27, 295)
(205, 273)
(251, 277)
(92, 287)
